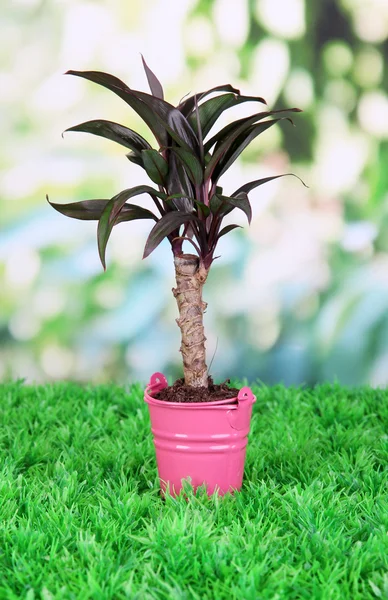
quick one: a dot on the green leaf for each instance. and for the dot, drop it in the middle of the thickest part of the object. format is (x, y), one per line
(85, 210)
(228, 130)
(210, 110)
(115, 132)
(223, 205)
(226, 230)
(91, 210)
(166, 225)
(215, 203)
(153, 81)
(240, 137)
(248, 187)
(242, 141)
(205, 209)
(155, 165)
(179, 185)
(191, 164)
(188, 105)
(111, 214)
(135, 158)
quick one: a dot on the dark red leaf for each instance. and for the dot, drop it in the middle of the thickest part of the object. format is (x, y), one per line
(230, 129)
(111, 214)
(166, 225)
(248, 187)
(210, 110)
(115, 132)
(188, 105)
(153, 81)
(161, 117)
(226, 230)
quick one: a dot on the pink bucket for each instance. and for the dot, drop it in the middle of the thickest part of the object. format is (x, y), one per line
(205, 441)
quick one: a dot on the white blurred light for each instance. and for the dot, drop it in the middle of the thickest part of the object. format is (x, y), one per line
(379, 374)
(23, 179)
(299, 89)
(265, 328)
(109, 295)
(199, 37)
(22, 267)
(284, 19)
(373, 113)
(48, 302)
(32, 3)
(370, 21)
(341, 93)
(225, 63)
(342, 153)
(358, 236)
(369, 67)
(232, 21)
(337, 58)
(271, 62)
(162, 38)
(86, 25)
(56, 361)
(55, 95)
(24, 326)
(341, 162)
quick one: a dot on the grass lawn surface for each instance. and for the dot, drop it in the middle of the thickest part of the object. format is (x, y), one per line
(81, 516)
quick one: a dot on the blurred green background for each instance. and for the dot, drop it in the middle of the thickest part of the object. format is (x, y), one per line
(301, 296)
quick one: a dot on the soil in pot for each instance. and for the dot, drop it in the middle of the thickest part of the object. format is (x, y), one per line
(179, 392)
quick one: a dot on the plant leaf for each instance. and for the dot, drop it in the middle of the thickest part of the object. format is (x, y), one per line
(210, 110)
(223, 205)
(153, 81)
(215, 203)
(91, 210)
(135, 158)
(242, 141)
(229, 129)
(191, 164)
(188, 105)
(226, 230)
(161, 117)
(166, 225)
(205, 209)
(227, 151)
(85, 210)
(155, 165)
(115, 132)
(111, 214)
(240, 201)
(179, 186)
(248, 187)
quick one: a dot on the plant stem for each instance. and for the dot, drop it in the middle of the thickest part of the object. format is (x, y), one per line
(190, 278)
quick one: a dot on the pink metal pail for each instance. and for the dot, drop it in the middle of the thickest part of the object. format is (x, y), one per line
(205, 441)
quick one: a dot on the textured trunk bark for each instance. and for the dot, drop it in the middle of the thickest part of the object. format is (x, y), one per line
(190, 278)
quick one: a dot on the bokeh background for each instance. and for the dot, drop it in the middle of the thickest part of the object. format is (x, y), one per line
(301, 296)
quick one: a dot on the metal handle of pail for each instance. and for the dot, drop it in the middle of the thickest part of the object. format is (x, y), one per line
(240, 416)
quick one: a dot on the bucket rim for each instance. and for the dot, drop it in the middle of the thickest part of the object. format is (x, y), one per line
(230, 403)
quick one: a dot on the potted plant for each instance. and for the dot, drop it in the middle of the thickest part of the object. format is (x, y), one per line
(200, 429)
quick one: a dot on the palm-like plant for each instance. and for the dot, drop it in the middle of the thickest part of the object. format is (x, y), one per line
(189, 204)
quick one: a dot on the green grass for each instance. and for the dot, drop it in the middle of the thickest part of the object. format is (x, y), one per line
(81, 516)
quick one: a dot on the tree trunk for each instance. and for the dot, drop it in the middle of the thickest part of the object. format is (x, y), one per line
(190, 278)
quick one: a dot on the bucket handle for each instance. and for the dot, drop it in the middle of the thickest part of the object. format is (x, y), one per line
(239, 418)
(157, 382)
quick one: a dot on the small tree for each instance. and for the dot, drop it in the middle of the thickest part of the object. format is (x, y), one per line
(186, 168)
